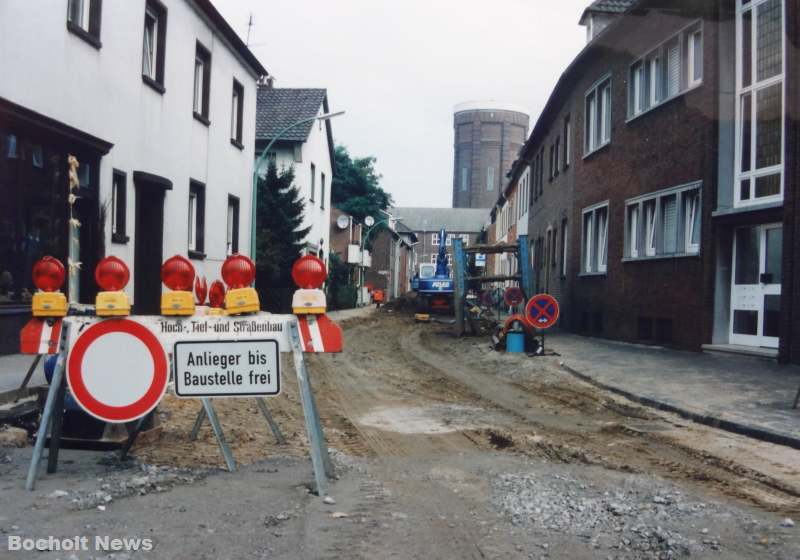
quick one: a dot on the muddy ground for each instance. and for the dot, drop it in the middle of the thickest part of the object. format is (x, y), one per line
(445, 449)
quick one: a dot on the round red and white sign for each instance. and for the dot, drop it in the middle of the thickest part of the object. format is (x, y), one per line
(117, 370)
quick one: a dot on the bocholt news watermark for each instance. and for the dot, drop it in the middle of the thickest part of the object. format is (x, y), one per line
(78, 543)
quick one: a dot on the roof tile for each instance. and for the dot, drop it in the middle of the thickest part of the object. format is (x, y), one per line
(278, 108)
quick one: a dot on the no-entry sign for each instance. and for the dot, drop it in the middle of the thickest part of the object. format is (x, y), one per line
(542, 311)
(227, 368)
(117, 370)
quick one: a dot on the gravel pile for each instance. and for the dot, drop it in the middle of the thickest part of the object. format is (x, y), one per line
(640, 519)
(140, 480)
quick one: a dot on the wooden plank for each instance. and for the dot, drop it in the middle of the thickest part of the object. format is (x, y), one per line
(492, 249)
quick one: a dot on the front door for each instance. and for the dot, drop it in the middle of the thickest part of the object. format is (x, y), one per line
(756, 292)
(148, 249)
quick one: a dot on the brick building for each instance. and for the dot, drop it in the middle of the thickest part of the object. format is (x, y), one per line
(392, 262)
(663, 176)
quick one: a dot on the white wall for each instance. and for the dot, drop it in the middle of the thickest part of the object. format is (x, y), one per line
(314, 150)
(46, 68)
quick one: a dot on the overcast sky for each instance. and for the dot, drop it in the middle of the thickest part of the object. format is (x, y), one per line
(399, 67)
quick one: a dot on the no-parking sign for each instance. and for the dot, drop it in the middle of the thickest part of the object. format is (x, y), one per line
(542, 311)
(117, 370)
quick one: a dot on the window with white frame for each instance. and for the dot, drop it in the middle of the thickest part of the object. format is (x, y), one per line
(664, 223)
(83, 18)
(197, 211)
(564, 247)
(202, 81)
(435, 239)
(237, 111)
(597, 124)
(670, 69)
(567, 141)
(153, 44)
(436, 256)
(595, 239)
(490, 178)
(232, 230)
(760, 102)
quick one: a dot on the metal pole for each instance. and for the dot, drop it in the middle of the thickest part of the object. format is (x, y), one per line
(316, 439)
(276, 431)
(198, 422)
(29, 374)
(223, 445)
(56, 425)
(55, 384)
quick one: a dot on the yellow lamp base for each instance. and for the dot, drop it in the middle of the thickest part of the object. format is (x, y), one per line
(177, 303)
(309, 302)
(49, 304)
(112, 304)
(215, 312)
(242, 300)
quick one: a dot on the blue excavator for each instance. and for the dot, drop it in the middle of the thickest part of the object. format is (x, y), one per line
(433, 284)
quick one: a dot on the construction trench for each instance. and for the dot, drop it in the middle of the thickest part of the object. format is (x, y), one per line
(444, 448)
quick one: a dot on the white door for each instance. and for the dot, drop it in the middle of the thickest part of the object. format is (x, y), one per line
(756, 292)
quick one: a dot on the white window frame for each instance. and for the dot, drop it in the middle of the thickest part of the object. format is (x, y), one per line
(199, 72)
(646, 237)
(594, 240)
(567, 141)
(564, 247)
(598, 113)
(229, 229)
(192, 221)
(752, 90)
(81, 8)
(115, 187)
(490, 178)
(235, 101)
(435, 239)
(654, 69)
(150, 59)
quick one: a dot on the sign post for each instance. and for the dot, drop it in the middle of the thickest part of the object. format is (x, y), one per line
(542, 312)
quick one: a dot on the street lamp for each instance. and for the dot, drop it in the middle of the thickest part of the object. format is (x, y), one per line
(260, 161)
(370, 222)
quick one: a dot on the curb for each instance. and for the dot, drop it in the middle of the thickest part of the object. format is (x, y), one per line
(754, 432)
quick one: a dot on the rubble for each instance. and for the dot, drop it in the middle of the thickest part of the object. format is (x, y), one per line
(13, 437)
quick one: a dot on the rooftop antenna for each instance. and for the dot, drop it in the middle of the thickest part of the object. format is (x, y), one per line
(249, 26)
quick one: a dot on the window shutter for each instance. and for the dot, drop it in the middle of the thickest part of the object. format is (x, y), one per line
(673, 69)
(670, 216)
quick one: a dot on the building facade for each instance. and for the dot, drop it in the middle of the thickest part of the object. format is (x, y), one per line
(488, 137)
(156, 100)
(307, 148)
(663, 192)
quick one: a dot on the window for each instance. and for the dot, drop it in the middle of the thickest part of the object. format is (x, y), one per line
(435, 239)
(554, 249)
(564, 248)
(595, 239)
(237, 109)
(202, 82)
(557, 160)
(83, 19)
(313, 181)
(322, 190)
(490, 178)
(436, 256)
(665, 223)
(598, 116)
(232, 236)
(154, 45)
(652, 82)
(567, 141)
(760, 102)
(464, 179)
(197, 218)
(118, 207)
(552, 162)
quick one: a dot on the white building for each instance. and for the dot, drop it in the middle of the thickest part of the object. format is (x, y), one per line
(307, 147)
(157, 101)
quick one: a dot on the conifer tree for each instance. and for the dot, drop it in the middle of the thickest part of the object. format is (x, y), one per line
(279, 238)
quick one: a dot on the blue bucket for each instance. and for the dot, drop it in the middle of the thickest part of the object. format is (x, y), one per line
(515, 342)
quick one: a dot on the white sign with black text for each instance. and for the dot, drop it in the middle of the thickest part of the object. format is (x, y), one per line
(244, 368)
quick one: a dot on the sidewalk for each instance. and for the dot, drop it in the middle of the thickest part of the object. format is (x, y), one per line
(744, 395)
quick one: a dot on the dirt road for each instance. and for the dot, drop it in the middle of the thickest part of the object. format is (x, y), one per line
(445, 449)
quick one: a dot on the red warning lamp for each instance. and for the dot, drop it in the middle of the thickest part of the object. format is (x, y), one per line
(177, 273)
(48, 276)
(309, 272)
(112, 275)
(239, 272)
(200, 290)
(216, 297)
